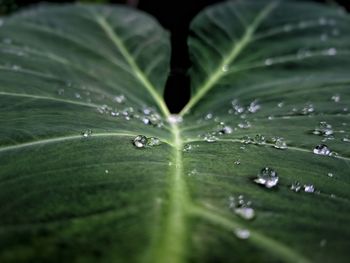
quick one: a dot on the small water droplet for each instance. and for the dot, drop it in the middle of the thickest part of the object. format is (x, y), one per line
(225, 68)
(253, 107)
(345, 139)
(87, 133)
(259, 139)
(322, 149)
(119, 99)
(153, 141)
(323, 243)
(175, 118)
(336, 98)
(60, 92)
(193, 172)
(309, 188)
(287, 28)
(268, 61)
(77, 95)
(208, 137)
(224, 129)
(244, 125)
(279, 143)
(330, 174)
(323, 129)
(295, 187)
(237, 162)
(242, 233)
(280, 104)
(267, 177)
(209, 116)
(331, 51)
(106, 171)
(241, 207)
(324, 37)
(140, 141)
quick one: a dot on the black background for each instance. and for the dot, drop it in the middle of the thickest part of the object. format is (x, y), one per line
(175, 16)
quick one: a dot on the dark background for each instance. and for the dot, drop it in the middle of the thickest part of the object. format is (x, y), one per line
(175, 16)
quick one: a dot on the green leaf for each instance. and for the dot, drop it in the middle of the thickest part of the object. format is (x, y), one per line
(75, 188)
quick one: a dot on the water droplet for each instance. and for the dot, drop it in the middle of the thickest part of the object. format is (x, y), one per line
(244, 125)
(295, 187)
(175, 118)
(323, 242)
(241, 207)
(331, 51)
(335, 32)
(209, 116)
(192, 172)
(330, 175)
(106, 171)
(208, 137)
(60, 92)
(307, 109)
(287, 28)
(238, 109)
(237, 162)
(224, 129)
(242, 233)
(323, 129)
(253, 107)
(345, 139)
(86, 133)
(280, 104)
(336, 98)
(324, 37)
(153, 141)
(267, 177)
(140, 141)
(268, 61)
(279, 143)
(15, 67)
(259, 139)
(322, 21)
(322, 149)
(309, 188)
(77, 95)
(119, 99)
(225, 68)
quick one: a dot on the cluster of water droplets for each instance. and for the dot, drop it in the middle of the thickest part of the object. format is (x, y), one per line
(141, 141)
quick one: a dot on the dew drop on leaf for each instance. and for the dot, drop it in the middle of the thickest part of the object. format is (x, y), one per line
(267, 177)
(322, 149)
(323, 129)
(242, 233)
(295, 187)
(241, 207)
(309, 188)
(153, 141)
(279, 143)
(140, 141)
(86, 133)
(174, 119)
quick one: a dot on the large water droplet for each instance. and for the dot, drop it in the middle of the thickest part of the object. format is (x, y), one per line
(242, 233)
(322, 149)
(140, 141)
(267, 177)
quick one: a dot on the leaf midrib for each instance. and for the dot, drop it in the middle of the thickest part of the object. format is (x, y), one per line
(172, 243)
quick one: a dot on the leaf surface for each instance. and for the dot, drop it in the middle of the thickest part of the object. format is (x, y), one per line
(262, 70)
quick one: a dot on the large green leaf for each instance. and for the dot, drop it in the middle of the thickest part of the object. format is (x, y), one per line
(261, 70)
